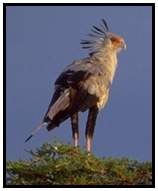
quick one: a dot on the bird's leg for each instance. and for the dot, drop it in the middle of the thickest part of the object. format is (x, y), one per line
(92, 116)
(75, 131)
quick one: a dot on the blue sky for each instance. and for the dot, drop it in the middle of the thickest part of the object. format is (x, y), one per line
(41, 41)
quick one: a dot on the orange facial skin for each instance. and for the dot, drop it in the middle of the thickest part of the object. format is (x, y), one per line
(117, 42)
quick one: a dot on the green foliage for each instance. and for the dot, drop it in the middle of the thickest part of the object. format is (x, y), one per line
(59, 164)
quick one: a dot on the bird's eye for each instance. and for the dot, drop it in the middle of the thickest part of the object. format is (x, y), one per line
(116, 41)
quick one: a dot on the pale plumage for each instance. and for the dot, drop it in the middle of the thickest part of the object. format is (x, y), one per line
(85, 83)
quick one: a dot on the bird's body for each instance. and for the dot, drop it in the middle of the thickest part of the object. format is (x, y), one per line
(84, 85)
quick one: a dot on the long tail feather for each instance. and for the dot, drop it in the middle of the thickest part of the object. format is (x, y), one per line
(42, 125)
(61, 104)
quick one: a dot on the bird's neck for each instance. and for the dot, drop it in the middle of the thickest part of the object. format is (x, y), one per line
(109, 59)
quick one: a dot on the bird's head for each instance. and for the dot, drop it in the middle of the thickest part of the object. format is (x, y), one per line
(115, 41)
(102, 38)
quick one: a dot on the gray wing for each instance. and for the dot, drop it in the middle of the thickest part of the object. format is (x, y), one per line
(76, 97)
(78, 71)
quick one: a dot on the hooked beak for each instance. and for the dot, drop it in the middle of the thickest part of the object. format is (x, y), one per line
(124, 46)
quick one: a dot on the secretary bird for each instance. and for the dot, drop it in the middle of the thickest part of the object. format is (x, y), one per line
(85, 84)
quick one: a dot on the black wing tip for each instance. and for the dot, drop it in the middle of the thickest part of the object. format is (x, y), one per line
(28, 138)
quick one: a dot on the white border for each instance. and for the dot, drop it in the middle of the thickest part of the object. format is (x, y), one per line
(79, 1)
(1, 82)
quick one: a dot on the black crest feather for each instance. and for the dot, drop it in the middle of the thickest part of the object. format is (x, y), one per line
(105, 24)
(98, 34)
